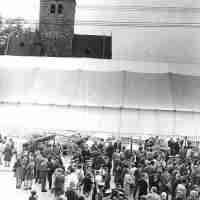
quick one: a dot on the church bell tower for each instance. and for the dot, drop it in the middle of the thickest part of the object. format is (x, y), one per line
(57, 26)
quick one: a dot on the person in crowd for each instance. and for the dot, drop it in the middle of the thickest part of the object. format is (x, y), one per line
(18, 170)
(116, 159)
(7, 155)
(71, 192)
(33, 195)
(29, 176)
(25, 171)
(38, 160)
(106, 177)
(87, 185)
(80, 176)
(51, 169)
(1, 151)
(61, 196)
(81, 198)
(99, 191)
(1, 138)
(43, 174)
(153, 194)
(118, 174)
(150, 172)
(129, 184)
(163, 196)
(142, 187)
(58, 181)
(110, 150)
(194, 195)
(5, 139)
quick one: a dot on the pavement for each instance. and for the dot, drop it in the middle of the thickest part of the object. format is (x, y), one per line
(8, 187)
(9, 191)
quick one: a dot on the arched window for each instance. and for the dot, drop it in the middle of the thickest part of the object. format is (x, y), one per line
(53, 9)
(60, 9)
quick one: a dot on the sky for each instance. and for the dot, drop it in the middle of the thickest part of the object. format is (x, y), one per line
(29, 9)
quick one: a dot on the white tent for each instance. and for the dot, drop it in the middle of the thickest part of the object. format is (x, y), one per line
(95, 95)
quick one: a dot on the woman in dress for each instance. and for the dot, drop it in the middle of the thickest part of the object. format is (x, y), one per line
(7, 155)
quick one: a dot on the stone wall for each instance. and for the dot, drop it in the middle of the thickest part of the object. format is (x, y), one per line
(57, 29)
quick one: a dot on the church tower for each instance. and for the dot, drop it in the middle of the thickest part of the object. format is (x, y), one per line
(57, 26)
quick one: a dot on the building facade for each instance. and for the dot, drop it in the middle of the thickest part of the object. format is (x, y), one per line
(56, 38)
(56, 26)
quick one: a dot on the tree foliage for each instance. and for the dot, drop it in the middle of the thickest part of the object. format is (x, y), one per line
(9, 26)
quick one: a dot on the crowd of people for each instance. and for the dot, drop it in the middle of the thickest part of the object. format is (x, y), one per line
(113, 171)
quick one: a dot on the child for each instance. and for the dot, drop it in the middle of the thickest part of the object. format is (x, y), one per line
(33, 196)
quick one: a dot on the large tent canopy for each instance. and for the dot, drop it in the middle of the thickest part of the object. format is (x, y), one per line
(96, 95)
(88, 64)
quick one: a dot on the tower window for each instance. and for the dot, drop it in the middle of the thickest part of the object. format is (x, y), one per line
(60, 9)
(53, 9)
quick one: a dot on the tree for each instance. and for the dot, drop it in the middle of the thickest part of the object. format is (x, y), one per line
(9, 26)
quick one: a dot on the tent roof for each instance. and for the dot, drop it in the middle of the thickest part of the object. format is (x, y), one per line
(90, 64)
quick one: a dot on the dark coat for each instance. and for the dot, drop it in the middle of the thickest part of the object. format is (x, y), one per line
(30, 171)
(71, 194)
(8, 154)
(87, 185)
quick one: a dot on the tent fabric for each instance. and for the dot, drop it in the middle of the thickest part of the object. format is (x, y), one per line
(101, 89)
(89, 64)
(127, 122)
(185, 92)
(95, 96)
(148, 91)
